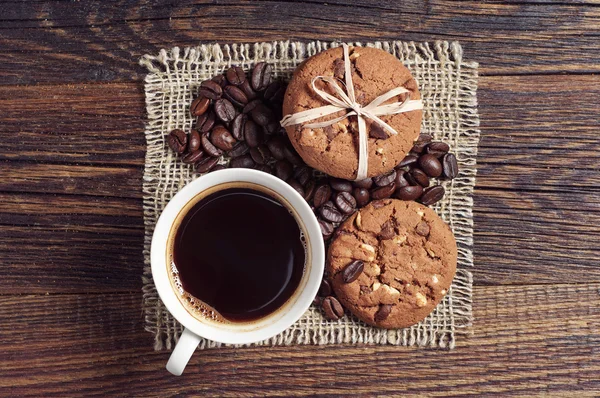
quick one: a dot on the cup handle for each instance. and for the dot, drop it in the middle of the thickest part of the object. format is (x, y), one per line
(187, 344)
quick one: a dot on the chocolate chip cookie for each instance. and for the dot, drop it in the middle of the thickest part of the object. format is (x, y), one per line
(334, 149)
(392, 262)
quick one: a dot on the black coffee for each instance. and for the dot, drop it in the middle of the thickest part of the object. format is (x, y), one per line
(240, 251)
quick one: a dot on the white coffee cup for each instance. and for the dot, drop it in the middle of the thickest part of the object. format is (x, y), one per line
(244, 332)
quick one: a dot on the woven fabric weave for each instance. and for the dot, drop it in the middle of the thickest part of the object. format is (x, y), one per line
(448, 86)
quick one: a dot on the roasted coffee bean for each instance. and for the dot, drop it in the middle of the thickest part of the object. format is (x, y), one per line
(437, 149)
(235, 95)
(309, 190)
(251, 105)
(235, 75)
(237, 126)
(410, 192)
(283, 169)
(361, 195)
(317, 301)
(199, 106)
(206, 165)
(244, 161)
(274, 92)
(261, 115)
(383, 312)
(410, 179)
(340, 185)
(432, 195)
(297, 186)
(302, 174)
(193, 141)
(218, 167)
(261, 76)
(265, 168)
(383, 192)
(220, 80)
(345, 202)
(430, 165)
(239, 149)
(420, 177)
(260, 154)
(421, 143)
(210, 90)
(271, 128)
(222, 138)
(400, 180)
(208, 146)
(387, 230)
(322, 195)
(330, 213)
(326, 229)
(224, 110)
(292, 156)
(277, 147)
(205, 122)
(450, 166)
(385, 179)
(192, 157)
(247, 89)
(253, 134)
(325, 289)
(367, 183)
(352, 271)
(177, 140)
(407, 161)
(422, 228)
(332, 308)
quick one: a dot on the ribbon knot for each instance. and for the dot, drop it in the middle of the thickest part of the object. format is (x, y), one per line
(345, 100)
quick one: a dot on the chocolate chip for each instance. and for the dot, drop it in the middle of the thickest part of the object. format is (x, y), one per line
(367, 183)
(387, 230)
(352, 271)
(208, 146)
(325, 289)
(235, 95)
(330, 213)
(410, 192)
(345, 202)
(199, 106)
(385, 179)
(205, 122)
(326, 229)
(322, 195)
(340, 185)
(383, 312)
(450, 166)
(225, 110)
(407, 161)
(235, 75)
(332, 308)
(177, 140)
(283, 169)
(261, 76)
(420, 177)
(377, 132)
(361, 195)
(206, 165)
(222, 138)
(432, 195)
(421, 143)
(244, 161)
(430, 165)
(437, 149)
(422, 228)
(383, 192)
(192, 157)
(210, 89)
(239, 149)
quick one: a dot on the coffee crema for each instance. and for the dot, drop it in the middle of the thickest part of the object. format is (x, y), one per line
(237, 254)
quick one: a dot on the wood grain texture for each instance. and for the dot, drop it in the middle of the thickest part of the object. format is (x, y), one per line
(101, 41)
(527, 340)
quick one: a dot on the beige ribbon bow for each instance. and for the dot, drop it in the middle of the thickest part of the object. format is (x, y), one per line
(345, 101)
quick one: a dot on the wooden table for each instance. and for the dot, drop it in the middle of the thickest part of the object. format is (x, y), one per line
(71, 228)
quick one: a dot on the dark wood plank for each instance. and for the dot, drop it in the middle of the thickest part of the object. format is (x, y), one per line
(73, 123)
(101, 41)
(527, 340)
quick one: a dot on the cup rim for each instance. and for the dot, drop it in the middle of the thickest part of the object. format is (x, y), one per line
(158, 254)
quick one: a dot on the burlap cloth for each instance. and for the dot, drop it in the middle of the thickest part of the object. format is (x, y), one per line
(448, 86)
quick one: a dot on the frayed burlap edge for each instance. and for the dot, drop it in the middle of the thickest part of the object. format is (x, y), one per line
(448, 86)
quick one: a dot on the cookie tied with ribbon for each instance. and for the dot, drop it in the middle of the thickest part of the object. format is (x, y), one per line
(366, 97)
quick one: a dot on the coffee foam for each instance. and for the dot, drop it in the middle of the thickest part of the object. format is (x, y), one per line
(198, 308)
